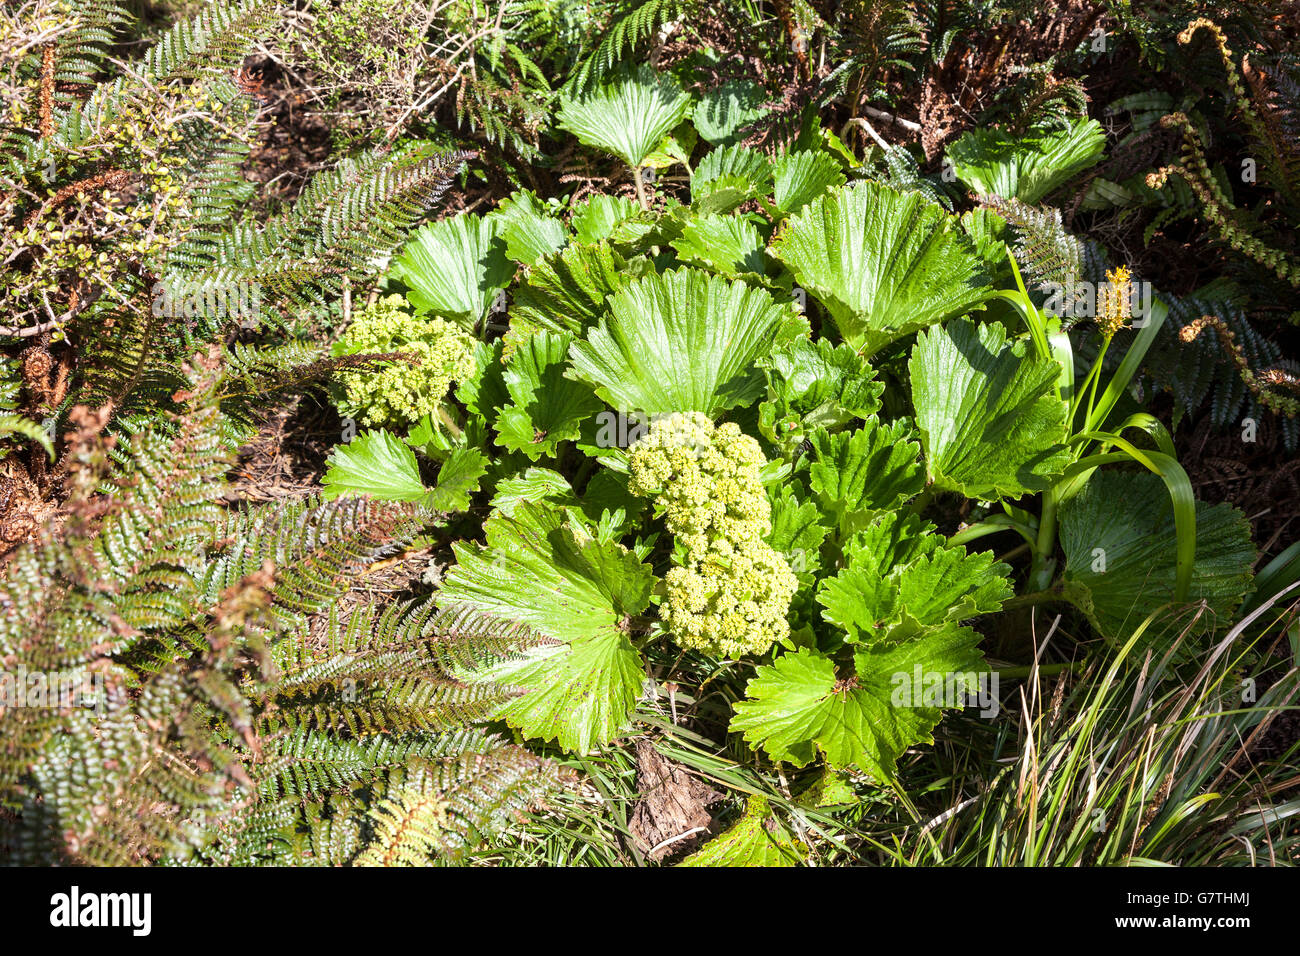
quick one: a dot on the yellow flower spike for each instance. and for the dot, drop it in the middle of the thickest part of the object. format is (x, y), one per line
(1115, 303)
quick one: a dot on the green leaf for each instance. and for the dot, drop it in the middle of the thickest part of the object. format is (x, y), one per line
(872, 468)
(608, 491)
(486, 391)
(802, 176)
(375, 463)
(627, 117)
(729, 245)
(991, 421)
(883, 263)
(458, 478)
(546, 408)
(543, 567)
(579, 695)
(596, 219)
(529, 230)
(796, 531)
(812, 385)
(728, 177)
(1028, 168)
(799, 708)
(455, 267)
(567, 291)
(32, 431)
(674, 148)
(536, 485)
(757, 839)
(1119, 539)
(877, 604)
(682, 341)
(723, 112)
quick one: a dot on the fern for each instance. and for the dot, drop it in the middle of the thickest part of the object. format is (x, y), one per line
(214, 41)
(165, 141)
(1205, 369)
(245, 714)
(633, 23)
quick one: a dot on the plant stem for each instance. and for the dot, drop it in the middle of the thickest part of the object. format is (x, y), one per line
(1044, 563)
(1045, 596)
(640, 188)
(1095, 375)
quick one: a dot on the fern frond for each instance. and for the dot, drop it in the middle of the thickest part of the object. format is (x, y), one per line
(633, 23)
(213, 41)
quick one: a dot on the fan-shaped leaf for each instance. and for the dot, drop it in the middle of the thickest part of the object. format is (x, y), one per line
(683, 341)
(567, 292)
(547, 408)
(992, 424)
(375, 463)
(802, 176)
(1120, 544)
(528, 230)
(728, 245)
(458, 478)
(627, 117)
(727, 177)
(596, 219)
(723, 112)
(799, 708)
(455, 267)
(757, 839)
(543, 567)
(885, 264)
(1028, 168)
(812, 385)
(872, 468)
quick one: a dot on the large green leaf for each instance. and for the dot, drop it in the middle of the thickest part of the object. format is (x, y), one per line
(543, 567)
(802, 176)
(872, 468)
(455, 267)
(598, 217)
(628, 116)
(799, 708)
(884, 264)
(992, 424)
(546, 407)
(683, 341)
(812, 385)
(723, 112)
(726, 177)
(530, 231)
(1029, 167)
(728, 245)
(797, 532)
(377, 464)
(757, 839)
(1120, 543)
(567, 291)
(458, 478)
(880, 606)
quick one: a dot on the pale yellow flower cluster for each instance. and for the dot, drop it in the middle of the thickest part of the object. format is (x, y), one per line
(731, 595)
(403, 391)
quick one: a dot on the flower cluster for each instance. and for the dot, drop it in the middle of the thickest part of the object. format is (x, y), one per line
(402, 391)
(731, 593)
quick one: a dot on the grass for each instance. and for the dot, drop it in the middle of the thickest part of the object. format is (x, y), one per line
(1127, 760)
